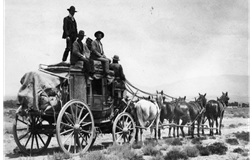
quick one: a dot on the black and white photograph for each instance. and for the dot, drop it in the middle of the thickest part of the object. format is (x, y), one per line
(126, 80)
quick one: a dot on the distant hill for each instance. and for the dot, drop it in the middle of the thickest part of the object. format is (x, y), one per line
(236, 86)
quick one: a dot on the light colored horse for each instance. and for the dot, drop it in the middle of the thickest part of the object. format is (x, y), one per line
(148, 113)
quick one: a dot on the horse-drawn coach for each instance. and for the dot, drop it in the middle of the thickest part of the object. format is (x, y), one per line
(59, 101)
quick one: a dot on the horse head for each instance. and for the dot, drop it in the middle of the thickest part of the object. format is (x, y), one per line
(224, 98)
(202, 100)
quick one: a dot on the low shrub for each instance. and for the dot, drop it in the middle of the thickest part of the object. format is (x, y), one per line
(238, 150)
(158, 157)
(59, 156)
(203, 151)
(245, 154)
(191, 151)
(176, 142)
(150, 150)
(232, 126)
(232, 141)
(123, 152)
(241, 114)
(197, 140)
(152, 142)
(242, 135)
(169, 141)
(137, 145)
(95, 155)
(218, 148)
(175, 154)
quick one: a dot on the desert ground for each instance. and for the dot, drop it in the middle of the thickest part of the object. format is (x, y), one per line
(236, 120)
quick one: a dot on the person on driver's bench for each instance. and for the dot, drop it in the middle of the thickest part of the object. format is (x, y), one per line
(80, 56)
(119, 79)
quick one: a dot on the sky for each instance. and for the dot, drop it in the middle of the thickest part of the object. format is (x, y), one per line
(158, 41)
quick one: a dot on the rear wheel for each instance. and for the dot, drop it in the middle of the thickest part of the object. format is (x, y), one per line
(32, 134)
(124, 129)
(75, 128)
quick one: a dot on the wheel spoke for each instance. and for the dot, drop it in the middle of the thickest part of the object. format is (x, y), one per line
(119, 127)
(66, 131)
(72, 112)
(41, 139)
(68, 137)
(37, 141)
(119, 132)
(22, 121)
(69, 120)
(119, 137)
(86, 124)
(32, 142)
(88, 132)
(28, 140)
(84, 118)
(22, 136)
(69, 147)
(66, 124)
(78, 119)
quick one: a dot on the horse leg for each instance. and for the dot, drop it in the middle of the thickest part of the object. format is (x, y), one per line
(169, 135)
(217, 126)
(177, 123)
(157, 128)
(198, 129)
(221, 117)
(141, 134)
(210, 126)
(181, 128)
(202, 123)
(192, 130)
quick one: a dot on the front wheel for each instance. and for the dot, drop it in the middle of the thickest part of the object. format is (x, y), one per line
(75, 128)
(124, 129)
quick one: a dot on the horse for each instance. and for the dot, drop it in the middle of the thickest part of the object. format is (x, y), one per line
(181, 111)
(148, 113)
(168, 113)
(196, 110)
(214, 110)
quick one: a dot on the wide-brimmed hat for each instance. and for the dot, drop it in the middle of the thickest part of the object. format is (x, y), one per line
(81, 33)
(72, 8)
(99, 32)
(116, 57)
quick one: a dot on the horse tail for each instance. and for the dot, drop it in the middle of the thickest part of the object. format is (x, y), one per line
(140, 114)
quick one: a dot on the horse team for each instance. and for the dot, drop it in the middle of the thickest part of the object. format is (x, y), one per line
(179, 114)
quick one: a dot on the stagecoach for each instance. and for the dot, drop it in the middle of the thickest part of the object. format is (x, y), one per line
(71, 108)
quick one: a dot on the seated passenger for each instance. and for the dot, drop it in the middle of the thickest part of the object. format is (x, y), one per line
(98, 53)
(80, 56)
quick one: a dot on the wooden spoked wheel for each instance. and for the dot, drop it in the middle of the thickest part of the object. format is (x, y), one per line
(75, 128)
(32, 134)
(124, 129)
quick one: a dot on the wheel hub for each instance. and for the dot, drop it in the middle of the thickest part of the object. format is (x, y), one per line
(76, 127)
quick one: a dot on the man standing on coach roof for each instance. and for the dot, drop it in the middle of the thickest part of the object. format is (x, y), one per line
(69, 31)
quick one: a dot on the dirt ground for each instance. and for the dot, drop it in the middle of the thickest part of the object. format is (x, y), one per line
(11, 151)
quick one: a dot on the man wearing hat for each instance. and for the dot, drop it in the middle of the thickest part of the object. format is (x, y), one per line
(119, 80)
(80, 56)
(69, 31)
(98, 53)
(117, 68)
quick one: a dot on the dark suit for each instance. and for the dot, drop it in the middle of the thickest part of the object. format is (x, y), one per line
(69, 30)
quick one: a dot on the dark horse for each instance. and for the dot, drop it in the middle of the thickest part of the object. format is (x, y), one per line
(196, 111)
(168, 113)
(214, 110)
(181, 111)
